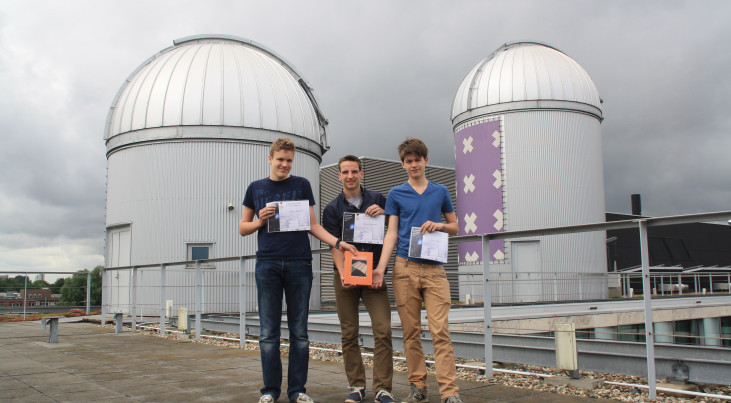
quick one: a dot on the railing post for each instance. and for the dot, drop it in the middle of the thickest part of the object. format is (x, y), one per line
(242, 300)
(680, 284)
(662, 284)
(133, 291)
(163, 302)
(555, 286)
(710, 283)
(646, 296)
(104, 296)
(88, 293)
(728, 282)
(198, 298)
(25, 294)
(487, 305)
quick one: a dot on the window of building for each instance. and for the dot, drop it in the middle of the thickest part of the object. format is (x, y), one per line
(726, 331)
(686, 332)
(200, 251)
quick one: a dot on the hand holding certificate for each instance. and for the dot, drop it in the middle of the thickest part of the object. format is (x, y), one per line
(362, 228)
(431, 245)
(289, 216)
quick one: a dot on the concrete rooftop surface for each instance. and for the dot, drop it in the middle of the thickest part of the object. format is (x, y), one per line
(92, 363)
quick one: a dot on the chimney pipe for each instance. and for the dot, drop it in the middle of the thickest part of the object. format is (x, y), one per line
(636, 204)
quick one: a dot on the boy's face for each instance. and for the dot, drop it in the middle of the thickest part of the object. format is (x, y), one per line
(281, 163)
(350, 175)
(414, 165)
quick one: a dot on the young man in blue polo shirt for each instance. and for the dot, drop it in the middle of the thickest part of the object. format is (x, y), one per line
(356, 199)
(420, 203)
(283, 266)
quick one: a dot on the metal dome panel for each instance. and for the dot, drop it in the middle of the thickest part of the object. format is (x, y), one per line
(217, 81)
(526, 72)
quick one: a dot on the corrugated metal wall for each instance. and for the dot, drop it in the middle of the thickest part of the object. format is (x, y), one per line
(175, 193)
(554, 176)
(381, 176)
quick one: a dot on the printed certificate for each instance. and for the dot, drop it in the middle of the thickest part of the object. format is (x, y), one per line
(358, 269)
(362, 228)
(289, 216)
(431, 246)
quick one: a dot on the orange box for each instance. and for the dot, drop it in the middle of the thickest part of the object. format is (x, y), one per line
(358, 269)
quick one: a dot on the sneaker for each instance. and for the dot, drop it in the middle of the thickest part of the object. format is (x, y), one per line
(356, 396)
(303, 398)
(384, 396)
(453, 399)
(266, 399)
(416, 396)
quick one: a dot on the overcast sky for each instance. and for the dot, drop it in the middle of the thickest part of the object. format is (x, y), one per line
(380, 70)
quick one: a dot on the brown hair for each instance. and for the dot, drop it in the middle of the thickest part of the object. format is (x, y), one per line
(281, 143)
(351, 158)
(412, 146)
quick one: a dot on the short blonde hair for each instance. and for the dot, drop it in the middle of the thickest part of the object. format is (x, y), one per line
(281, 143)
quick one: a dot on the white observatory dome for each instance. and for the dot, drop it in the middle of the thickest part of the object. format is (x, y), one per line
(523, 76)
(219, 81)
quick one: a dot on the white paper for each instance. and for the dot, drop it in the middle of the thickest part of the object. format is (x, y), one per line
(291, 215)
(362, 228)
(430, 246)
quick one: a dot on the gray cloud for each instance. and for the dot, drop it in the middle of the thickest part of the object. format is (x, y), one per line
(381, 70)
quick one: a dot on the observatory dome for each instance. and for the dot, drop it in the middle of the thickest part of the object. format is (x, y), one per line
(220, 81)
(526, 75)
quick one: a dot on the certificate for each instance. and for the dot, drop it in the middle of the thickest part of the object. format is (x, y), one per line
(362, 228)
(358, 270)
(289, 216)
(430, 246)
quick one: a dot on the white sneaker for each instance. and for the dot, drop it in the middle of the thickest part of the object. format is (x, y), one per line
(303, 398)
(266, 399)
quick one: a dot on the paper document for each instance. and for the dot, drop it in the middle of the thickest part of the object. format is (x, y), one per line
(431, 246)
(362, 228)
(290, 216)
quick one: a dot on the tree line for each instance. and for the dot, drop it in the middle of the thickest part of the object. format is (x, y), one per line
(72, 289)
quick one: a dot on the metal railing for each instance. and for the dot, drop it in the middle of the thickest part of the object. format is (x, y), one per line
(552, 287)
(642, 224)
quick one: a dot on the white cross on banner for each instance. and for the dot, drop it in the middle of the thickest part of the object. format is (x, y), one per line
(467, 143)
(468, 185)
(498, 179)
(469, 223)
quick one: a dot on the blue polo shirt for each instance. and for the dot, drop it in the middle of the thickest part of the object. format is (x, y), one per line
(414, 209)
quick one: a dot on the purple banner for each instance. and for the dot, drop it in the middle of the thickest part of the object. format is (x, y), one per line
(478, 173)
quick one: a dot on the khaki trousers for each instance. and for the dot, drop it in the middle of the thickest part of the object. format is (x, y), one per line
(413, 282)
(379, 309)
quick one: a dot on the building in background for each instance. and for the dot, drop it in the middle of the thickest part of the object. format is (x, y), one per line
(186, 133)
(529, 155)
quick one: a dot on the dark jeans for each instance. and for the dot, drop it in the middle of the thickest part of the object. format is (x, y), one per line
(293, 278)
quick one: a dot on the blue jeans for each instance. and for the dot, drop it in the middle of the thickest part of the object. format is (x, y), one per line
(293, 278)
